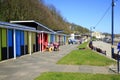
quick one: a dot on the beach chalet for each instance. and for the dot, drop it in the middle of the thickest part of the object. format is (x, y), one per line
(19, 38)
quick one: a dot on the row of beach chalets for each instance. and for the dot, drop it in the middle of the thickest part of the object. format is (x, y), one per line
(19, 38)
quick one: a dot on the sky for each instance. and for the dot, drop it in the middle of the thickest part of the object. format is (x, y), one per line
(88, 13)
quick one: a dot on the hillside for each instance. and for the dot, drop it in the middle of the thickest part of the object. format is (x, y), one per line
(33, 10)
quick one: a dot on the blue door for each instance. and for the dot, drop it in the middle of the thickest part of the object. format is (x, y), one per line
(10, 43)
(52, 38)
(64, 39)
(22, 43)
(18, 50)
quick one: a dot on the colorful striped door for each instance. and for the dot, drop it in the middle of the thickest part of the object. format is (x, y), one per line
(4, 44)
(18, 50)
(64, 40)
(52, 38)
(34, 41)
(37, 42)
(49, 38)
(26, 42)
(0, 45)
(22, 42)
(10, 43)
(29, 43)
(45, 41)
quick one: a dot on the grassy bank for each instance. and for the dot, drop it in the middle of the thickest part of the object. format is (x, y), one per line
(76, 76)
(85, 57)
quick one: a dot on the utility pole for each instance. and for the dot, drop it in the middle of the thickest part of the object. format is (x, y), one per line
(112, 36)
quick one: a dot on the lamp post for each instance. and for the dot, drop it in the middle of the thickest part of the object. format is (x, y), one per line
(91, 32)
(112, 36)
(112, 31)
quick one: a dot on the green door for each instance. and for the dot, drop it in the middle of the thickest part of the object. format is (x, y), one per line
(29, 43)
(0, 45)
(4, 44)
(34, 41)
(26, 42)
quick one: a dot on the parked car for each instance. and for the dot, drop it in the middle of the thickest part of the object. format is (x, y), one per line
(108, 40)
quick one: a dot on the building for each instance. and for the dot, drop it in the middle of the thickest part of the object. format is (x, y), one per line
(98, 35)
(18, 39)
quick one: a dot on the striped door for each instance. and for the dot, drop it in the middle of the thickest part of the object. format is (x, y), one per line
(26, 42)
(22, 42)
(18, 50)
(10, 43)
(4, 44)
(0, 45)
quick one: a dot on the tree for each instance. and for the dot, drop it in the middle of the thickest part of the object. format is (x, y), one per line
(34, 10)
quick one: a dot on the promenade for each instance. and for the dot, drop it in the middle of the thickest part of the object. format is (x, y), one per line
(105, 46)
(29, 67)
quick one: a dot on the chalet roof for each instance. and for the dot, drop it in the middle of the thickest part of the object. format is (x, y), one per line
(14, 26)
(33, 23)
(19, 27)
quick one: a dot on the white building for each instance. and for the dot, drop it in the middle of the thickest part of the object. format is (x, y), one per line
(98, 35)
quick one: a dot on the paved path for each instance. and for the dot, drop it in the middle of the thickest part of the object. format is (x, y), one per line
(30, 66)
(105, 46)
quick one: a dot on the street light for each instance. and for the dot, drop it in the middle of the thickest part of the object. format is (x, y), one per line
(112, 31)
(112, 36)
(91, 32)
(112, 48)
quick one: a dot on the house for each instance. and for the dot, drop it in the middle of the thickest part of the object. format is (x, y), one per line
(98, 35)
